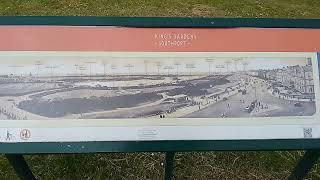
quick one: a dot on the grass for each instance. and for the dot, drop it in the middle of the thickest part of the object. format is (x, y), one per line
(194, 8)
(191, 165)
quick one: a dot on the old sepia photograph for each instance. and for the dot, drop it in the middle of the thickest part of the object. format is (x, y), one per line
(39, 86)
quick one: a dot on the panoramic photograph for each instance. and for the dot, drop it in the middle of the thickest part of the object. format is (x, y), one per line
(71, 86)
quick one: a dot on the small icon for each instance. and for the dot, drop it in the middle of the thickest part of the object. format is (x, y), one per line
(307, 132)
(9, 136)
(25, 134)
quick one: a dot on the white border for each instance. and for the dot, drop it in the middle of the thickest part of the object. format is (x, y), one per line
(68, 130)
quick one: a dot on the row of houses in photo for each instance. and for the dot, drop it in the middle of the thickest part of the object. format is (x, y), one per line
(295, 81)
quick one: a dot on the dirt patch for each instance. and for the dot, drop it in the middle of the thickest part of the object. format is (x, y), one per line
(202, 10)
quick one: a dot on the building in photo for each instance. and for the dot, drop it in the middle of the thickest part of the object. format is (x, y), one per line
(292, 81)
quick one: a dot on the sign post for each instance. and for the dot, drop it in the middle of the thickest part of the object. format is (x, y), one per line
(98, 84)
(20, 166)
(169, 162)
(309, 159)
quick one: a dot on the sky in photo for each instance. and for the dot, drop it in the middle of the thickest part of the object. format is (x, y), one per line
(57, 64)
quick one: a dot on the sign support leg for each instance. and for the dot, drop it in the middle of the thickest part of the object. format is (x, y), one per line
(20, 166)
(305, 164)
(168, 165)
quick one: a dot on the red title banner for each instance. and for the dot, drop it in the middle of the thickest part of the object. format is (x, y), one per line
(59, 38)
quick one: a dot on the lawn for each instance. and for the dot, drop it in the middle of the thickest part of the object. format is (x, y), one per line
(191, 165)
(208, 8)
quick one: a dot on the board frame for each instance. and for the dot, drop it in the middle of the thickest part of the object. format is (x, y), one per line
(160, 146)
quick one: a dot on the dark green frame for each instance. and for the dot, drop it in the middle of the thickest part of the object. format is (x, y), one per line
(160, 146)
(167, 22)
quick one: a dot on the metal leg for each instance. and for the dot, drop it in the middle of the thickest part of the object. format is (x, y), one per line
(20, 166)
(169, 165)
(305, 164)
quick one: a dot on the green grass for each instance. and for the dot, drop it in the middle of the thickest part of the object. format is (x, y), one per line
(194, 8)
(192, 165)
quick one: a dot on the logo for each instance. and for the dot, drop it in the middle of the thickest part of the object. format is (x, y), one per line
(25, 134)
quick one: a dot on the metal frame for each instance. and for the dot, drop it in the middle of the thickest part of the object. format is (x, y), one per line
(164, 22)
(14, 151)
(159, 146)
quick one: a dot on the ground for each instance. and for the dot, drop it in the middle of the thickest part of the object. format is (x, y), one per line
(191, 165)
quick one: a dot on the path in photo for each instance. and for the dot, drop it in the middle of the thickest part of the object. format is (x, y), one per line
(71, 87)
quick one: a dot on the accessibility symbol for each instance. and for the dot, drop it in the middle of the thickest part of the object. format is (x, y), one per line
(25, 134)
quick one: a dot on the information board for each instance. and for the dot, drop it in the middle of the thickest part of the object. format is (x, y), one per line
(88, 83)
